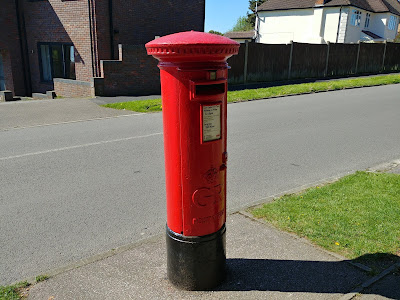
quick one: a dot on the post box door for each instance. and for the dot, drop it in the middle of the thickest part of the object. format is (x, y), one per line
(204, 168)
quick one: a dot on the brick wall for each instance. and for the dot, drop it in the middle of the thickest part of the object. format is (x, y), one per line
(102, 31)
(58, 22)
(138, 22)
(72, 88)
(11, 49)
(135, 73)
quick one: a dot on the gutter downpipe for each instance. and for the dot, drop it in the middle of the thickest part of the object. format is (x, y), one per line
(91, 36)
(111, 23)
(257, 25)
(338, 27)
(24, 54)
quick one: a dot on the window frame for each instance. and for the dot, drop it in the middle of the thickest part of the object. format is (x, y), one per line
(51, 45)
(367, 20)
(356, 18)
(393, 22)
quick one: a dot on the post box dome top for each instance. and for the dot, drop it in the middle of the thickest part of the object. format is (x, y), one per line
(192, 46)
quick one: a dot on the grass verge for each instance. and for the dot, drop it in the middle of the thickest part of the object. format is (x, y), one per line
(355, 216)
(12, 292)
(277, 91)
(139, 106)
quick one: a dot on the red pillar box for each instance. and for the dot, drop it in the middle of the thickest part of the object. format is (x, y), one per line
(194, 76)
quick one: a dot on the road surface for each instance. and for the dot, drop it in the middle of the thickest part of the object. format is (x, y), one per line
(73, 190)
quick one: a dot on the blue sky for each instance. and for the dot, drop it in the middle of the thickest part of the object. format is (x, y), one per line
(221, 15)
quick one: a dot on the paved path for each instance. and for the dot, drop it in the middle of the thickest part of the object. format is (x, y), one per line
(263, 263)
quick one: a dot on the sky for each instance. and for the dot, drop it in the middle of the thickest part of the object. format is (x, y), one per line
(221, 15)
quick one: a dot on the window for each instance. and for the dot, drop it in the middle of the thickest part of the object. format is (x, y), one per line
(367, 18)
(392, 23)
(56, 61)
(2, 79)
(356, 18)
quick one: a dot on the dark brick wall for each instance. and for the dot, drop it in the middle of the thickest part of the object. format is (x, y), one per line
(11, 49)
(56, 21)
(102, 31)
(61, 22)
(136, 74)
(138, 22)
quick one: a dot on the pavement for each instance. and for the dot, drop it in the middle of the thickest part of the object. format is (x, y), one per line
(29, 113)
(262, 261)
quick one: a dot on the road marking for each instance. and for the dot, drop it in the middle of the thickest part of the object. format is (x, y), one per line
(80, 146)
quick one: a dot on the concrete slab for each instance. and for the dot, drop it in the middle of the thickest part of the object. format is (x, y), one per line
(106, 100)
(6, 96)
(386, 288)
(263, 263)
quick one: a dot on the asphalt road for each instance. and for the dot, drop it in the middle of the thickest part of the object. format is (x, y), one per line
(70, 191)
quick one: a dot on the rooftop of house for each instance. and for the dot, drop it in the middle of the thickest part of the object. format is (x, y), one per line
(376, 6)
(240, 34)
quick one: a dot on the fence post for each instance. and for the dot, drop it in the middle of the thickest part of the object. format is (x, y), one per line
(246, 59)
(290, 60)
(358, 56)
(384, 57)
(327, 59)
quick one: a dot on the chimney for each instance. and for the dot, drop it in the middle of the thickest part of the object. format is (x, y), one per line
(320, 2)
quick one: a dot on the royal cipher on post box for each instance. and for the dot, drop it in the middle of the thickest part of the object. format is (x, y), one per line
(194, 71)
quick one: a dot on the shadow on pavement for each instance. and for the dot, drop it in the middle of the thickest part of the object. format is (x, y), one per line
(298, 276)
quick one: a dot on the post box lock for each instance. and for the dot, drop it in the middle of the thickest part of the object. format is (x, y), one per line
(225, 157)
(194, 72)
(213, 75)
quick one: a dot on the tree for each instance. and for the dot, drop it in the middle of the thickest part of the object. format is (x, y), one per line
(397, 39)
(251, 17)
(215, 32)
(242, 25)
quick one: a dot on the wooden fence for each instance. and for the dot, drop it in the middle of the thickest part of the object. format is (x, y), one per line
(267, 62)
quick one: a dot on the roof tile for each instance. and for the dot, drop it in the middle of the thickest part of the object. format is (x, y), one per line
(240, 34)
(392, 6)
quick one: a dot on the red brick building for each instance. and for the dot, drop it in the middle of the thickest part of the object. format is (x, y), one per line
(45, 39)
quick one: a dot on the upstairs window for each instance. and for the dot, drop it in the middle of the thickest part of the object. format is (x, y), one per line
(56, 61)
(367, 19)
(356, 18)
(392, 23)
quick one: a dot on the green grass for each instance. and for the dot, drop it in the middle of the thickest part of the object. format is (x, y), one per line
(285, 90)
(41, 278)
(304, 88)
(355, 216)
(11, 292)
(139, 106)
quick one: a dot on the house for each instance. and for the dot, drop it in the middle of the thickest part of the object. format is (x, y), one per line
(45, 39)
(322, 21)
(241, 36)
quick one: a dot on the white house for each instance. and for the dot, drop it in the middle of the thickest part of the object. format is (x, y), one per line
(321, 21)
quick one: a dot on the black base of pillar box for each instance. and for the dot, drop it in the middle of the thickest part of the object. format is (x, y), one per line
(196, 263)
